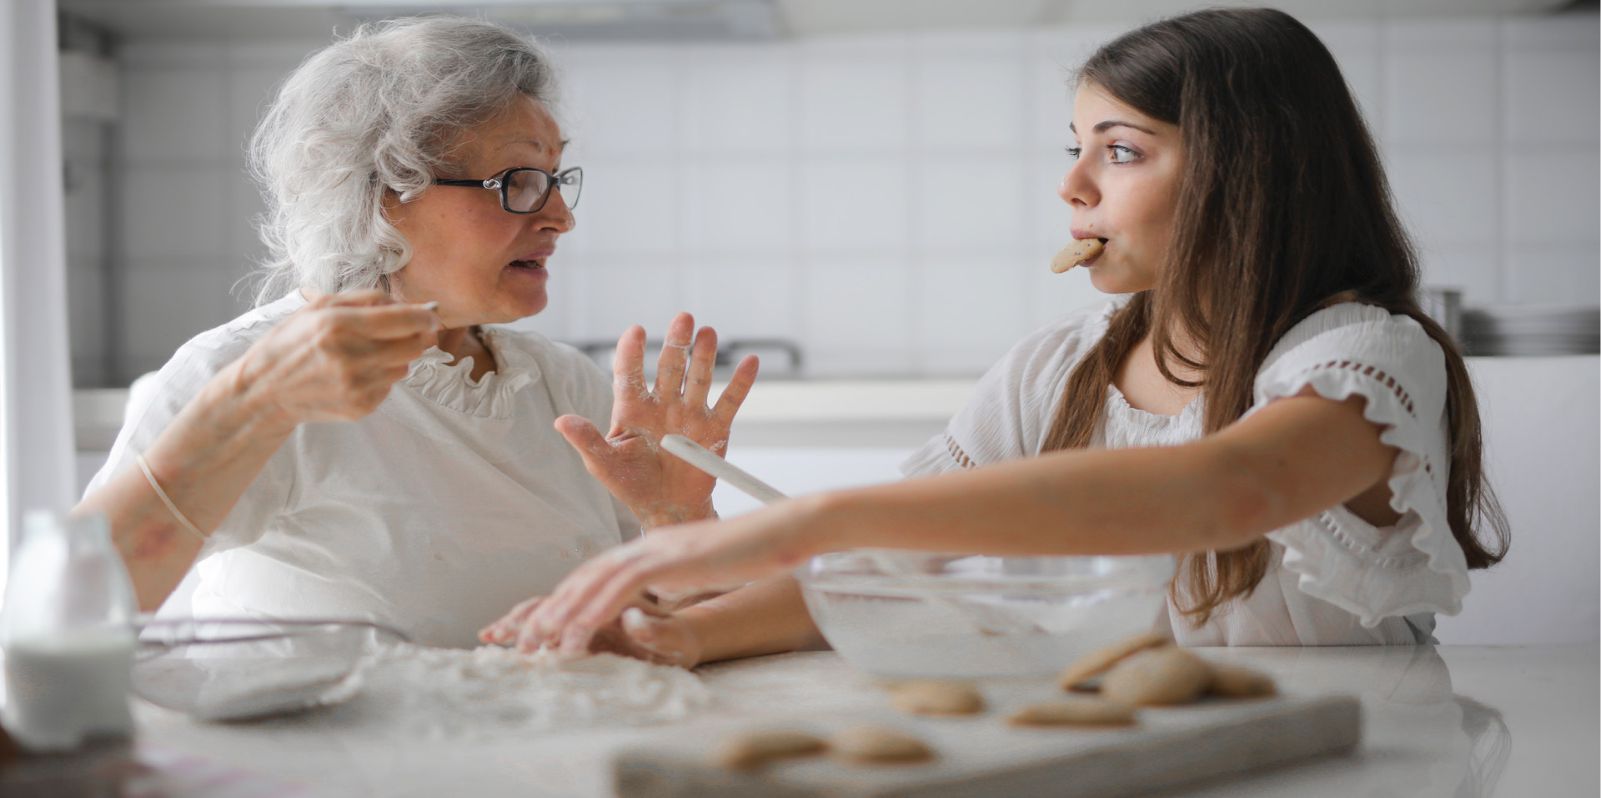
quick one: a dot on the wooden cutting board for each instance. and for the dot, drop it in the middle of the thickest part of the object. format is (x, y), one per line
(983, 755)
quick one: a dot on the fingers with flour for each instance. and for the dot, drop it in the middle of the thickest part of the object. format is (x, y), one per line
(675, 353)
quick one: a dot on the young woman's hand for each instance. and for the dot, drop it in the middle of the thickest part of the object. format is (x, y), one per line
(337, 358)
(708, 555)
(660, 488)
(644, 631)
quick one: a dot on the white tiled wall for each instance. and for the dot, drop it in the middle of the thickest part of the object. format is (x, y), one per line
(887, 200)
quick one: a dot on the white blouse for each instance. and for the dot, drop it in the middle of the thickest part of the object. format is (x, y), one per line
(435, 514)
(1334, 579)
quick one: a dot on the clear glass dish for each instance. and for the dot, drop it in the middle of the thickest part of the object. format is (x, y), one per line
(231, 669)
(913, 614)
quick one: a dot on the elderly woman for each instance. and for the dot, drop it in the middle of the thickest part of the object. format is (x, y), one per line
(361, 444)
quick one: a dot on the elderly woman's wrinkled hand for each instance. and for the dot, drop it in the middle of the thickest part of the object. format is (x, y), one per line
(337, 358)
(660, 488)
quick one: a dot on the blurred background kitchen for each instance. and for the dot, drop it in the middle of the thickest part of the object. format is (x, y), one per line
(863, 192)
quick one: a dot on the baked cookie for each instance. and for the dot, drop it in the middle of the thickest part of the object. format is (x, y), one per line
(1235, 681)
(754, 749)
(1082, 249)
(1160, 676)
(878, 744)
(1099, 661)
(1074, 712)
(931, 697)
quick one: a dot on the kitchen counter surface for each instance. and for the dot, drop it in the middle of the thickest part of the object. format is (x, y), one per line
(1447, 720)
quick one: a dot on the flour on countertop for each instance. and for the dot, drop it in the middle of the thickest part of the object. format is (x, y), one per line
(492, 690)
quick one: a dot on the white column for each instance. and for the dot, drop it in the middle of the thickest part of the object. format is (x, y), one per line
(35, 367)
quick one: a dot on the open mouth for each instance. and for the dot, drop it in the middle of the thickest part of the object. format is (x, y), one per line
(527, 264)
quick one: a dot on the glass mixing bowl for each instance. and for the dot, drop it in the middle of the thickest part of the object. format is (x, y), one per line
(914, 614)
(231, 669)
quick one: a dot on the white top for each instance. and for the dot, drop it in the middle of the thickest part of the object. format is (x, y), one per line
(434, 514)
(1334, 579)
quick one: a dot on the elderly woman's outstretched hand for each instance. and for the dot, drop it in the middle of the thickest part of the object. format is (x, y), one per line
(337, 358)
(628, 460)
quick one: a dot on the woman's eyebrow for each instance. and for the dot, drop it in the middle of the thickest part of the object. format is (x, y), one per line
(1102, 127)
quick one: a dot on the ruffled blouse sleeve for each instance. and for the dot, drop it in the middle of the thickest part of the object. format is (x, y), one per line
(1391, 362)
(156, 399)
(1012, 406)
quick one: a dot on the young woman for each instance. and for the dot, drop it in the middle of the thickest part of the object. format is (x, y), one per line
(1266, 402)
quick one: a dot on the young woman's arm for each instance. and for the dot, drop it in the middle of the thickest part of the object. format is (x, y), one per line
(1290, 460)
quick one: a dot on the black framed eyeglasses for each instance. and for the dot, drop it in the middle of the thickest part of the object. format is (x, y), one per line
(526, 189)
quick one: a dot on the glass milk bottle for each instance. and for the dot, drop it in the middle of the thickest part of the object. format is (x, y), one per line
(67, 629)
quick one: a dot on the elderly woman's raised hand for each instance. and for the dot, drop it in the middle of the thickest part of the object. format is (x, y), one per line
(337, 358)
(658, 487)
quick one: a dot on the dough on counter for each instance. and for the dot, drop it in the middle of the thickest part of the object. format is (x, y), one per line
(878, 744)
(934, 697)
(1098, 662)
(1160, 676)
(754, 749)
(1074, 712)
(1082, 249)
(1236, 681)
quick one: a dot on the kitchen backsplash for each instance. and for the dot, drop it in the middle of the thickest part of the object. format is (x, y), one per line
(886, 201)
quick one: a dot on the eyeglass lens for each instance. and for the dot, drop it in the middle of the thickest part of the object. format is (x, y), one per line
(525, 189)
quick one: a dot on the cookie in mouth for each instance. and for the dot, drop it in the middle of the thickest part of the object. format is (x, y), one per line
(1081, 250)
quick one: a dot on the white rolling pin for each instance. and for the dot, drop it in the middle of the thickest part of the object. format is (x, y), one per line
(705, 460)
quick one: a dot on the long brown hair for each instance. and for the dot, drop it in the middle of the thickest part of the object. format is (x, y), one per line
(1283, 209)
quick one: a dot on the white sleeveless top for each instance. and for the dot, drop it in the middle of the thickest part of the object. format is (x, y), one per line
(434, 514)
(1333, 579)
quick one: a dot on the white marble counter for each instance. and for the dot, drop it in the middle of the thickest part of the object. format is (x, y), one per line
(1446, 721)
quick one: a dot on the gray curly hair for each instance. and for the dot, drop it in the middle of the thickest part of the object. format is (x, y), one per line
(375, 112)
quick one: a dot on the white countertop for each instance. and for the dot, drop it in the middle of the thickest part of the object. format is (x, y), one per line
(1446, 721)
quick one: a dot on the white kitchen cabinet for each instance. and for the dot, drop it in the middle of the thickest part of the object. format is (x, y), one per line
(1541, 443)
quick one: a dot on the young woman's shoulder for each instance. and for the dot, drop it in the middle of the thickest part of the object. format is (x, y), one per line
(1066, 339)
(1036, 368)
(1357, 325)
(1010, 408)
(1353, 348)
